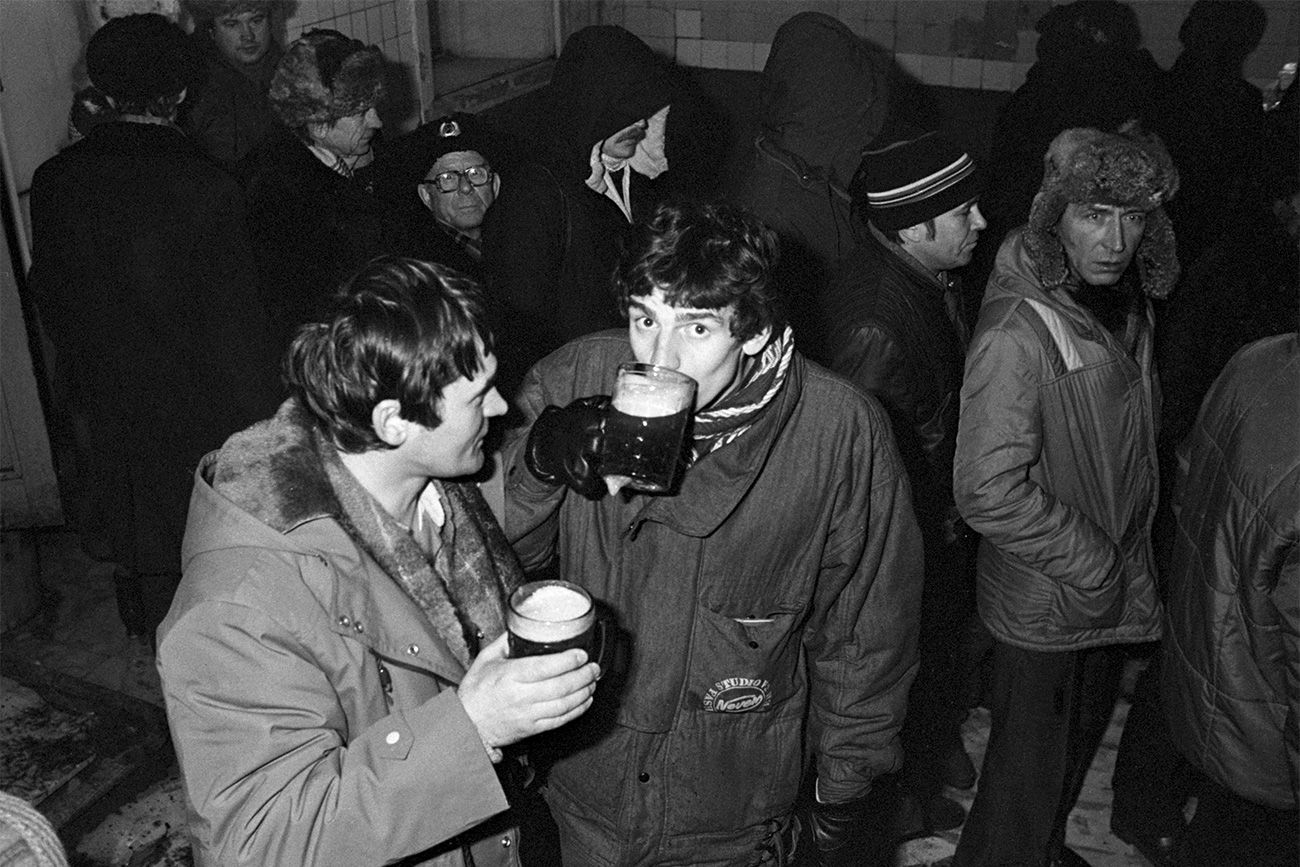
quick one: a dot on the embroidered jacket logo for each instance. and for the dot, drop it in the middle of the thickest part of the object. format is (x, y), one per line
(738, 695)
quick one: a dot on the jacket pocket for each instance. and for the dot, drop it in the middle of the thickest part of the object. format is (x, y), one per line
(1101, 607)
(743, 664)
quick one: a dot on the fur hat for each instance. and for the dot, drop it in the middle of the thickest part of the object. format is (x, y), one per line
(325, 76)
(136, 59)
(913, 180)
(1127, 168)
(204, 12)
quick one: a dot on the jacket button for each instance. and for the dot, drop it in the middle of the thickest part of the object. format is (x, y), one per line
(478, 633)
(643, 777)
(358, 627)
(413, 650)
(505, 842)
(393, 737)
(345, 621)
(753, 644)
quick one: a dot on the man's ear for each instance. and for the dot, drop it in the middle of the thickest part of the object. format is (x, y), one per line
(755, 344)
(388, 424)
(496, 185)
(422, 190)
(316, 131)
(912, 234)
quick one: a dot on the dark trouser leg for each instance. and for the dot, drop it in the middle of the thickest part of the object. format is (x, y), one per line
(1229, 831)
(1096, 685)
(1049, 712)
(157, 589)
(130, 601)
(1150, 779)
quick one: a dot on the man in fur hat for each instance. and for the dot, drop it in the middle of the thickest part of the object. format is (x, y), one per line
(335, 665)
(312, 209)
(1056, 469)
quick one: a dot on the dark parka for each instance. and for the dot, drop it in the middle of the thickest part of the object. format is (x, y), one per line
(228, 114)
(1231, 670)
(550, 242)
(822, 99)
(785, 573)
(145, 282)
(898, 332)
(310, 700)
(1056, 467)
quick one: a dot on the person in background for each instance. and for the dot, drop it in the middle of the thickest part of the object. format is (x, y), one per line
(144, 280)
(1056, 469)
(334, 665)
(228, 115)
(552, 239)
(1231, 672)
(785, 569)
(312, 216)
(823, 98)
(899, 333)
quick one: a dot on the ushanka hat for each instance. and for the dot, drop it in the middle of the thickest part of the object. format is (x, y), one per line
(914, 179)
(325, 76)
(136, 59)
(1127, 169)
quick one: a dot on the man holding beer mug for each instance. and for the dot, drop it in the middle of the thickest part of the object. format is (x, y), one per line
(334, 663)
(766, 599)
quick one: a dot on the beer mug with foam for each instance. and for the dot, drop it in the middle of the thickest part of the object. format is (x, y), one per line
(551, 617)
(646, 426)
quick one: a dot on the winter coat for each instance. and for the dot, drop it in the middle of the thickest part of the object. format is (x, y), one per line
(145, 282)
(767, 610)
(311, 227)
(311, 702)
(229, 114)
(1231, 670)
(822, 99)
(550, 242)
(898, 333)
(1056, 467)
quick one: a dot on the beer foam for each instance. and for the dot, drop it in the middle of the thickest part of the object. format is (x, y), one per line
(551, 613)
(646, 400)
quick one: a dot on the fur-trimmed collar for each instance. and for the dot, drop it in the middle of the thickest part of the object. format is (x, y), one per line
(284, 472)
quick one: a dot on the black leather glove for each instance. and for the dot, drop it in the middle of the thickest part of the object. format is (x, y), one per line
(836, 832)
(564, 445)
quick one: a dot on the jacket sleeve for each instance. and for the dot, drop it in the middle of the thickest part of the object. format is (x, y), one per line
(1286, 596)
(999, 439)
(272, 773)
(863, 660)
(532, 506)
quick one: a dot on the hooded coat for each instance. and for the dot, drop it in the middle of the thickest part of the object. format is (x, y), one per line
(822, 99)
(310, 699)
(1231, 665)
(768, 612)
(1056, 466)
(550, 242)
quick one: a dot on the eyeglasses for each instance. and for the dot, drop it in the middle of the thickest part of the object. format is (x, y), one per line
(449, 181)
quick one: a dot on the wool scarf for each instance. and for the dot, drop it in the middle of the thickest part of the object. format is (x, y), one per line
(471, 573)
(735, 412)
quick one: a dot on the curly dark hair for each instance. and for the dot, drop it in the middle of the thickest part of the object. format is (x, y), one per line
(399, 329)
(705, 257)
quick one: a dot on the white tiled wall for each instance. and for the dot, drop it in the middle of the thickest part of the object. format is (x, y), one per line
(385, 23)
(976, 44)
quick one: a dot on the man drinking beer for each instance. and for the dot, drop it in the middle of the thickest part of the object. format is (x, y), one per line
(767, 602)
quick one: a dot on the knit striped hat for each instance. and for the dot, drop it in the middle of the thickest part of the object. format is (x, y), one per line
(913, 179)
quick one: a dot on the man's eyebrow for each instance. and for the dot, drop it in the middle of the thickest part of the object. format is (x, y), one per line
(698, 315)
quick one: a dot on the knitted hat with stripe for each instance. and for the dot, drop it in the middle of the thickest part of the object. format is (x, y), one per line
(914, 179)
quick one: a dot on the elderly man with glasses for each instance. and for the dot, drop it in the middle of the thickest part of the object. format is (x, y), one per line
(458, 188)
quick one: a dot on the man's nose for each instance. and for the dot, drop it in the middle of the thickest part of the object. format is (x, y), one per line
(372, 119)
(977, 218)
(462, 183)
(665, 352)
(1114, 237)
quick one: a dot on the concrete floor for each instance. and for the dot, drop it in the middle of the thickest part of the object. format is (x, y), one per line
(84, 640)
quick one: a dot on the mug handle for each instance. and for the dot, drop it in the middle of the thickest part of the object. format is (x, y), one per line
(599, 657)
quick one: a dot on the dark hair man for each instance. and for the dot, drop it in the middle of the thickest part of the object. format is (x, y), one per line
(334, 665)
(1056, 469)
(898, 332)
(229, 114)
(785, 567)
(145, 282)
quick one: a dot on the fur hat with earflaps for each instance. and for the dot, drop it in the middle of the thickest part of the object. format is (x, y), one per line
(1128, 168)
(325, 76)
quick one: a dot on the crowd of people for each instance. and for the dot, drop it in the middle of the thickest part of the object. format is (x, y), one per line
(334, 398)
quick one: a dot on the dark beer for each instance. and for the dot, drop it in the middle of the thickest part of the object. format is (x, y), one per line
(550, 617)
(645, 449)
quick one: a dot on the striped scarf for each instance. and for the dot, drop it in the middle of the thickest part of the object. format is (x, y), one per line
(735, 413)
